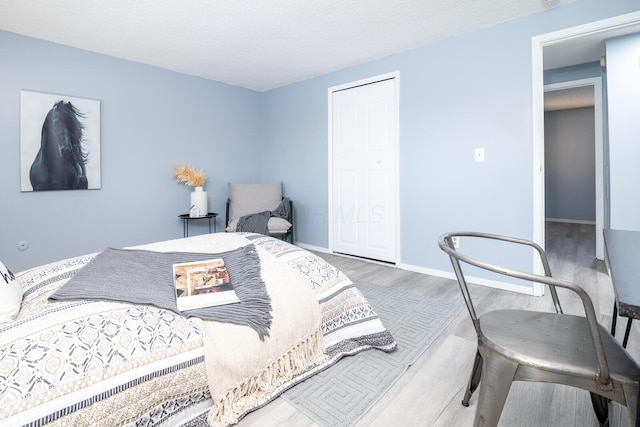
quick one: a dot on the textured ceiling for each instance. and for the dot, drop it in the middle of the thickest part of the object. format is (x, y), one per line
(256, 44)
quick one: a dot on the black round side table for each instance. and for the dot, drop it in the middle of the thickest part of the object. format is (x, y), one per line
(186, 218)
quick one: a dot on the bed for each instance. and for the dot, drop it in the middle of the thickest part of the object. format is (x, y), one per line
(101, 361)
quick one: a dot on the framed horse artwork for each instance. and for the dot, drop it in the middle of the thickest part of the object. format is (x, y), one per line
(59, 142)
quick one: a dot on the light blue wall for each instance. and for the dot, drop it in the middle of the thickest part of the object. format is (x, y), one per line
(465, 92)
(455, 95)
(151, 119)
(574, 72)
(570, 160)
(585, 71)
(623, 75)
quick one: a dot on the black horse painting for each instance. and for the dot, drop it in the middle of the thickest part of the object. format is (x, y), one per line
(61, 161)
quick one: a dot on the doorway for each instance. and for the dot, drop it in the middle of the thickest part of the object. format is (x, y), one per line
(595, 84)
(363, 168)
(562, 43)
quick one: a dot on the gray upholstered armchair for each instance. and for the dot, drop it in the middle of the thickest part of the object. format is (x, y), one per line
(261, 208)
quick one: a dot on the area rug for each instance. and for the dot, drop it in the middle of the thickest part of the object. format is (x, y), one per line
(342, 394)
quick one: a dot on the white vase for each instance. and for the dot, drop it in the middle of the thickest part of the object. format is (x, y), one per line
(198, 203)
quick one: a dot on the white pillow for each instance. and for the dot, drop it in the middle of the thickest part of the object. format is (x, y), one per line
(10, 295)
(275, 225)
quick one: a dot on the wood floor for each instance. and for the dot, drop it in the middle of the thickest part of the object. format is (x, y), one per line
(429, 393)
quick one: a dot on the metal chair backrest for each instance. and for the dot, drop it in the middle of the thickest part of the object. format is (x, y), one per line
(446, 244)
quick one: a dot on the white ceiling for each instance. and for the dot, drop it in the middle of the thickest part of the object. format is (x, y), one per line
(256, 44)
(565, 99)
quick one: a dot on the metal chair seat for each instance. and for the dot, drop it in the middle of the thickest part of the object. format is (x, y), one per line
(520, 345)
(557, 343)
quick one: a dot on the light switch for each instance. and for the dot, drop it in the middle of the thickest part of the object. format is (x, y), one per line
(479, 155)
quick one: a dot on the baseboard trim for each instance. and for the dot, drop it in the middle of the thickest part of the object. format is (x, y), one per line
(436, 273)
(313, 248)
(570, 221)
(527, 290)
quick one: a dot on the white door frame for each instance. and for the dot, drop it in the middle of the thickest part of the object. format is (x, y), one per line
(396, 136)
(596, 82)
(538, 43)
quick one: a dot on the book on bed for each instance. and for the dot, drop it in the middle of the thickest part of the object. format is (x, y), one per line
(202, 284)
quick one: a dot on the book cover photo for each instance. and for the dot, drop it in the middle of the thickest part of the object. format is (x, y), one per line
(203, 284)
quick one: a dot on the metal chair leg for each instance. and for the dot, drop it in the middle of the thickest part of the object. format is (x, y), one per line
(613, 326)
(497, 376)
(601, 408)
(626, 332)
(476, 374)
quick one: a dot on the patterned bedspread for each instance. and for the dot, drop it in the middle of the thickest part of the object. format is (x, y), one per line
(110, 364)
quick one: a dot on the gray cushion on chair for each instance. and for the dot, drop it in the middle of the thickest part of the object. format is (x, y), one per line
(253, 198)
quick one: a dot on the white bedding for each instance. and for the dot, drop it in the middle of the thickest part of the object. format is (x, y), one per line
(107, 363)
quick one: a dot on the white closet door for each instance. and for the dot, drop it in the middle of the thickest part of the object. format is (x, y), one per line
(364, 175)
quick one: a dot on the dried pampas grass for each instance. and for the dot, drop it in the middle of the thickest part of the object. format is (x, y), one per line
(189, 176)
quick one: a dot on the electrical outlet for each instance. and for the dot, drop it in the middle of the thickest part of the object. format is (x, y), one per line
(456, 241)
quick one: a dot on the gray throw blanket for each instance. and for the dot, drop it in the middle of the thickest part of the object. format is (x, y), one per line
(259, 222)
(146, 277)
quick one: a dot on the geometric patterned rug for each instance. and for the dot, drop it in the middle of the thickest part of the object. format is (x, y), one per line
(342, 394)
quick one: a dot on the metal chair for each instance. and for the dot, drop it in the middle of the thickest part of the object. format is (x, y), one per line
(520, 345)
